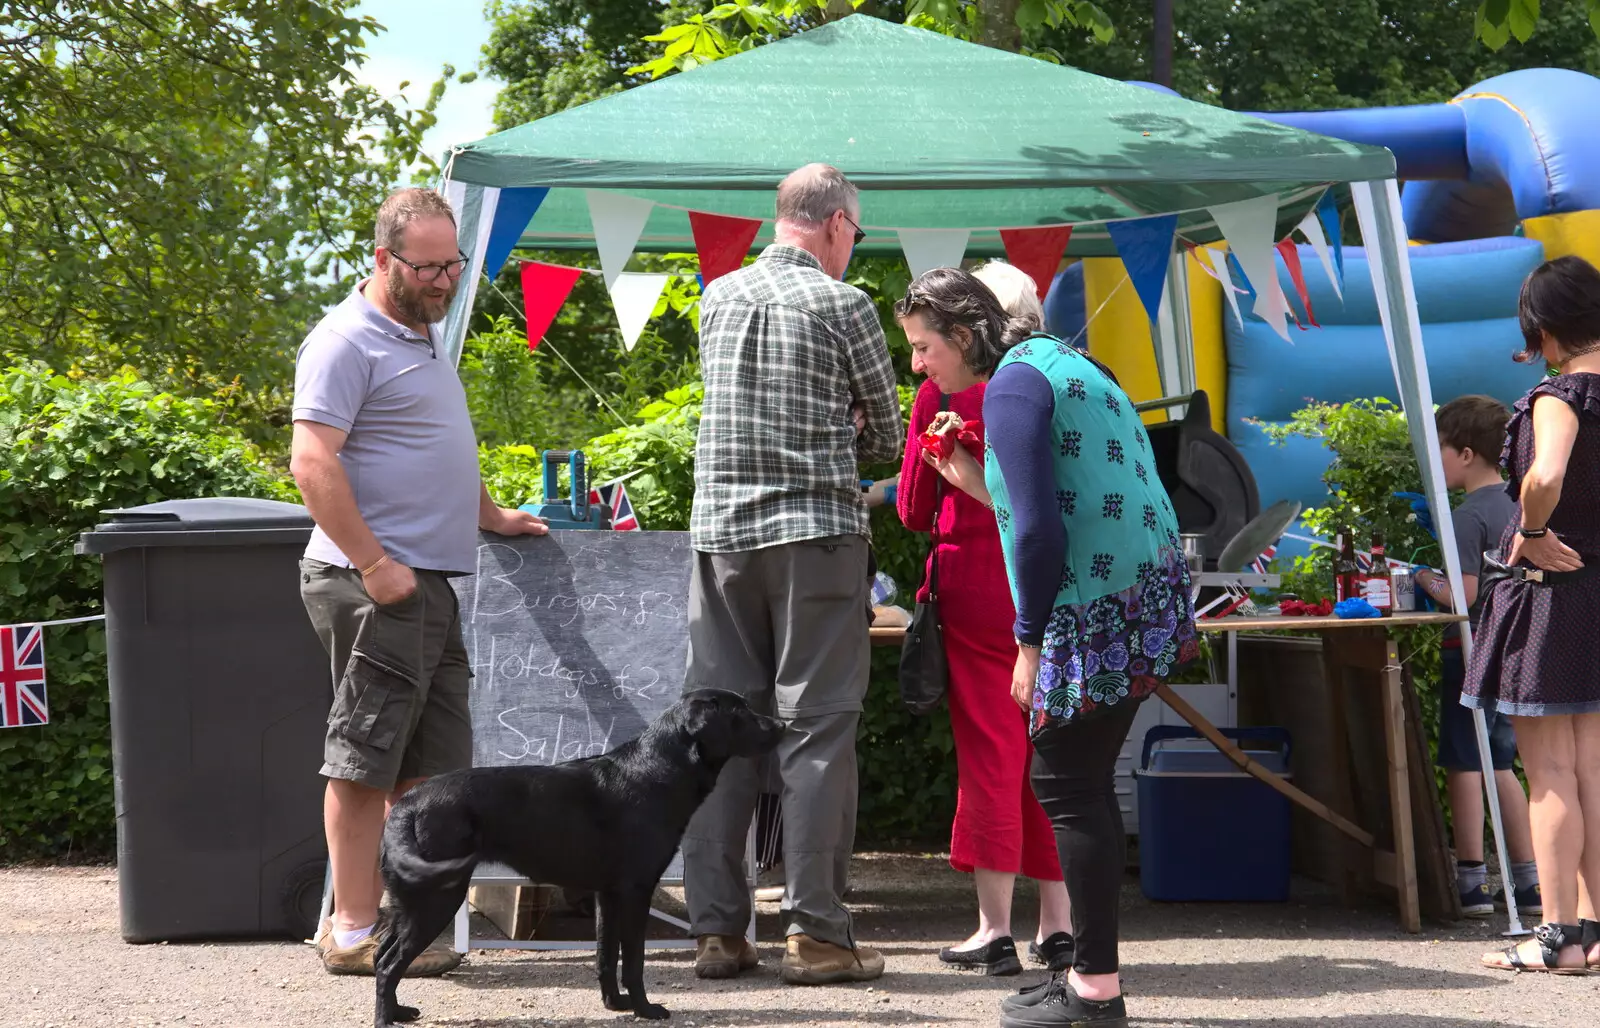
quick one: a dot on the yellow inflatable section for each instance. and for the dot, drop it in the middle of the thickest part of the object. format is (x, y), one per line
(1576, 233)
(1119, 334)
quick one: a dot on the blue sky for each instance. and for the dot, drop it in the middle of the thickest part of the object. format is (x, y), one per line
(421, 36)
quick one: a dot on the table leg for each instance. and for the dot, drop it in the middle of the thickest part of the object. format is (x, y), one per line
(1405, 848)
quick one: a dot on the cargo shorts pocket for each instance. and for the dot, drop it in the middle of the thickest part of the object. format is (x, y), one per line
(374, 703)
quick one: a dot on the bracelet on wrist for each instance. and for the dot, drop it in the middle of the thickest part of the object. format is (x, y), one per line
(1533, 533)
(375, 565)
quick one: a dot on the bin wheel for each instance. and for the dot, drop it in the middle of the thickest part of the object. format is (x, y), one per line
(302, 898)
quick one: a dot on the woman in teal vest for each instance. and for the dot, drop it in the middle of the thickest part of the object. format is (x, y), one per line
(1102, 592)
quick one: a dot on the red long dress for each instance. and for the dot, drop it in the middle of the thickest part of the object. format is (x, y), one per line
(999, 825)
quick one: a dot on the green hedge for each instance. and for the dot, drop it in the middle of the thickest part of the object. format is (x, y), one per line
(70, 449)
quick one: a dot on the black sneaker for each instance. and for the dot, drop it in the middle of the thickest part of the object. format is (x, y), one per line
(1477, 902)
(1529, 901)
(998, 958)
(1061, 1007)
(1056, 952)
(1030, 995)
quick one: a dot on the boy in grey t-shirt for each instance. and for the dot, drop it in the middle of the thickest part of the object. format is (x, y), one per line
(1472, 432)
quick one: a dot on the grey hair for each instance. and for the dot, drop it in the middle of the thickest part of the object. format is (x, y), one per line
(1014, 288)
(813, 193)
(947, 297)
(402, 208)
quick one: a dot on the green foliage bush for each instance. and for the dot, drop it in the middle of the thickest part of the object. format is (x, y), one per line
(70, 449)
(1372, 460)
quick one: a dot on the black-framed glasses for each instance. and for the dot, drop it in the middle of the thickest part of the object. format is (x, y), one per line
(430, 272)
(860, 235)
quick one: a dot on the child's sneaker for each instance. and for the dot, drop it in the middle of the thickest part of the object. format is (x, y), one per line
(1529, 901)
(1477, 902)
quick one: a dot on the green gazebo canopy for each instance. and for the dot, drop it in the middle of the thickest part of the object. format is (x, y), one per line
(938, 133)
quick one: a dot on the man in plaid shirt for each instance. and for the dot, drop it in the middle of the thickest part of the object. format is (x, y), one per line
(798, 390)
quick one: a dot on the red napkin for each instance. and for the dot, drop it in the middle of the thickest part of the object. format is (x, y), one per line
(1299, 608)
(943, 444)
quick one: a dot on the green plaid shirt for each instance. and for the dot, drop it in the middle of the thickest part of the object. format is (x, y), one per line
(784, 352)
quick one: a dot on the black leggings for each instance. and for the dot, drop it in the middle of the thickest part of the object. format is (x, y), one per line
(1074, 765)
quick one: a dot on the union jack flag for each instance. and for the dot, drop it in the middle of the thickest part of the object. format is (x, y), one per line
(615, 496)
(22, 697)
(1261, 565)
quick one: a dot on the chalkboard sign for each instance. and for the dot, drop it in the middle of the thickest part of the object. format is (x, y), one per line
(577, 640)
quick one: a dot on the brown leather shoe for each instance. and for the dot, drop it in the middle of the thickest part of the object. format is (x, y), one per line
(435, 960)
(723, 956)
(809, 961)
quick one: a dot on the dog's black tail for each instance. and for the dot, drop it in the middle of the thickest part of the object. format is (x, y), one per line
(402, 858)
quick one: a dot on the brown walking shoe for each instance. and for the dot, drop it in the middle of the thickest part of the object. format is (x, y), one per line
(435, 960)
(723, 956)
(809, 961)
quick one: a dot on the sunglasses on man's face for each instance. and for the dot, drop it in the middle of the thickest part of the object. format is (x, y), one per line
(860, 235)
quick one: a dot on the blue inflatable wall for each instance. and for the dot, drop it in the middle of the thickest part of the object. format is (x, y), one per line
(1467, 300)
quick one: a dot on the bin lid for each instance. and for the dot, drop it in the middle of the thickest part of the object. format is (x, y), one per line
(1210, 763)
(203, 521)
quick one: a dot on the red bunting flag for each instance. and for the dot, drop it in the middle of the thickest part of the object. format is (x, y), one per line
(722, 242)
(1037, 251)
(1291, 260)
(545, 288)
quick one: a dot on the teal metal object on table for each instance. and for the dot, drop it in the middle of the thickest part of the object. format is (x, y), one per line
(575, 511)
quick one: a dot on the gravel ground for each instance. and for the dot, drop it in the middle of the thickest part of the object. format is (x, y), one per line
(1308, 962)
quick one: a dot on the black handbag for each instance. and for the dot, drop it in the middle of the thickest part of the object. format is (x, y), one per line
(923, 671)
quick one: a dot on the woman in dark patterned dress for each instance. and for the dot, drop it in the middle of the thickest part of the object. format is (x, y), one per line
(1101, 591)
(1535, 656)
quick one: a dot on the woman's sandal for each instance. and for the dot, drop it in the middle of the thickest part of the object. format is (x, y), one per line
(1552, 939)
(1591, 939)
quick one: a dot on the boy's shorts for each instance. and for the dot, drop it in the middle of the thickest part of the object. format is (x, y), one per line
(1458, 739)
(400, 678)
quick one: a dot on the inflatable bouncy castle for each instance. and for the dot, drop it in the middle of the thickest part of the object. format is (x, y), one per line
(1496, 181)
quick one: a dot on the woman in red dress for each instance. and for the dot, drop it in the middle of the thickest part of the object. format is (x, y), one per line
(1000, 830)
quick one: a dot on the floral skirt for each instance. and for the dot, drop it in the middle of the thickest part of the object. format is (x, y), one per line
(1116, 648)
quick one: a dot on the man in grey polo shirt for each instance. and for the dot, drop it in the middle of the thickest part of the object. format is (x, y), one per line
(387, 462)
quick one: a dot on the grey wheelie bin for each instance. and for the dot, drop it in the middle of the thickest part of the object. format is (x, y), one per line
(219, 700)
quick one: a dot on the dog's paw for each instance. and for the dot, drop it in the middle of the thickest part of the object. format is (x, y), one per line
(400, 1015)
(651, 1012)
(621, 1001)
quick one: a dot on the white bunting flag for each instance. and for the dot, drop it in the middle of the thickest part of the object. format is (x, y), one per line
(1250, 227)
(618, 222)
(634, 296)
(929, 248)
(1215, 263)
(1311, 228)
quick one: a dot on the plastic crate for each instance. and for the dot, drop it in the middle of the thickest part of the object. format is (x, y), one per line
(1208, 831)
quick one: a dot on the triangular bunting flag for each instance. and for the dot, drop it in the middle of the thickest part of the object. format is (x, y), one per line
(1037, 251)
(1145, 246)
(1250, 226)
(634, 296)
(1311, 228)
(515, 208)
(1328, 214)
(618, 222)
(1215, 263)
(545, 288)
(722, 242)
(929, 248)
(1291, 260)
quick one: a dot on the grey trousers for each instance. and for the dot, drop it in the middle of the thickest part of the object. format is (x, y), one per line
(786, 627)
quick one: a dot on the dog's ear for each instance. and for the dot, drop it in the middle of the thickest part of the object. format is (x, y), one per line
(709, 726)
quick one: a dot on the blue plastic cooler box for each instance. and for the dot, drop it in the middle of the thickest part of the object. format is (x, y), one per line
(1208, 831)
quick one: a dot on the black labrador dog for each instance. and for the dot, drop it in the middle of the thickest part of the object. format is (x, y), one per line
(608, 824)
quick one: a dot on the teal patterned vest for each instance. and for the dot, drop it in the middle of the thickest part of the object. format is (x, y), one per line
(1116, 512)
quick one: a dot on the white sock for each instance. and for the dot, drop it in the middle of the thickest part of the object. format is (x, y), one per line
(344, 940)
